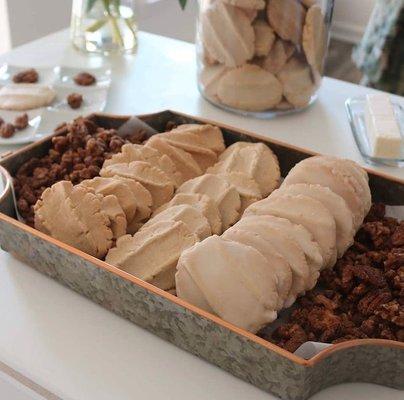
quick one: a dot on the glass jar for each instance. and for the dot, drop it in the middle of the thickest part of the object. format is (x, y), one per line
(104, 26)
(262, 57)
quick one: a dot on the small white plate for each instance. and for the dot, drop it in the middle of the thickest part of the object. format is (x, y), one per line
(26, 135)
(47, 75)
(94, 98)
(67, 74)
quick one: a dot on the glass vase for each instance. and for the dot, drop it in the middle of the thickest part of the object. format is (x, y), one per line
(104, 26)
(262, 57)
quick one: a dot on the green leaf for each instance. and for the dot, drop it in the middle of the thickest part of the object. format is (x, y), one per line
(183, 3)
(90, 4)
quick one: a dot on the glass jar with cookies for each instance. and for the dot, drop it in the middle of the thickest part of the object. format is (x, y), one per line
(262, 57)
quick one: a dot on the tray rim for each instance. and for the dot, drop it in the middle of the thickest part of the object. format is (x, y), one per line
(310, 363)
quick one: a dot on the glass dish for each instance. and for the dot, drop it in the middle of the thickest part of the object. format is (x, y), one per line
(355, 108)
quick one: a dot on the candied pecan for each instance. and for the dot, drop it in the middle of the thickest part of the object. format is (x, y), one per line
(75, 100)
(397, 239)
(7, 130)
(84, 79)
(26, 76)
(372, 301)
(369, 275)
(21, 122)
(377, 232)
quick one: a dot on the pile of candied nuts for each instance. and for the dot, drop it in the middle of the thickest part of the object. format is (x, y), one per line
(362, 297)
(77, 153)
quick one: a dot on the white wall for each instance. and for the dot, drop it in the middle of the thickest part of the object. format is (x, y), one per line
(350, 18)
(4, 28)
(31, 19)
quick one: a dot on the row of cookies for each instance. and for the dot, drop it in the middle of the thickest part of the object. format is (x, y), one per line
(278, 248)
(257, 55)
(206, 205)
(92, 215)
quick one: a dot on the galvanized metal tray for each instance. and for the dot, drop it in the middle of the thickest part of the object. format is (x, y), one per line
(239, 352)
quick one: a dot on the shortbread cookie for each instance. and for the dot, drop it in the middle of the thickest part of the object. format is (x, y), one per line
(335, 204)
(287, 248)
(303, 238)
(276, 59)
(26, 96)
(224, 194)
(305, 211)
(190, 216)
(74, 215)
(315, 38)
(209, 77)
(287, 19)
(119, 188)
(183, 161)
(249, 88)
(316, 170)
(275, 261)
(264, 38)
(247, 188)
(204, 135)
(227, 33)
(152, 254)
(249, 4)
(137, 152)
(202, 203)
(150, 177)
(298, 86)
(256, 160)
(232, 280)
(113, 210)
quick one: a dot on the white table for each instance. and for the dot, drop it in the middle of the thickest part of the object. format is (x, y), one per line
(77, 350)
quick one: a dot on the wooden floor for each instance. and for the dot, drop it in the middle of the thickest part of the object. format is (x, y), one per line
(339, 64)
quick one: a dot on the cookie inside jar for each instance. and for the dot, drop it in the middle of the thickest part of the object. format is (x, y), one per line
(262, 57)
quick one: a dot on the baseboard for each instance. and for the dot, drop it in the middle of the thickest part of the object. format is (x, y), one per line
(347, 32)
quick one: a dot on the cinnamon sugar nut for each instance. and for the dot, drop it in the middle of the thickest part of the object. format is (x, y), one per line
(298, 86)
(287, 19)
(224, 194)
(204, 204)
(150, 177)
(227, 33)
(315, 38)
(249, 4)
(255, 160)
(249, 87)
(278, 56)
(232, 280)
(75, 216)
(264, 38)
(152, 254)
(190, 216)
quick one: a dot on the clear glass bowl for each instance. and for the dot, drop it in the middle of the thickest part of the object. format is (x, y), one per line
(355, 108)
(262, 57)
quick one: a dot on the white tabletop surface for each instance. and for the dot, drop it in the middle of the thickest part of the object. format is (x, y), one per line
(77, 350)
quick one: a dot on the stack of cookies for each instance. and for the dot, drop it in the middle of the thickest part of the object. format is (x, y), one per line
(203, 206)
(259, 55)
(278, 248)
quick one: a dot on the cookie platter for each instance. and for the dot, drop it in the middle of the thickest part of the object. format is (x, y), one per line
(238, 351)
